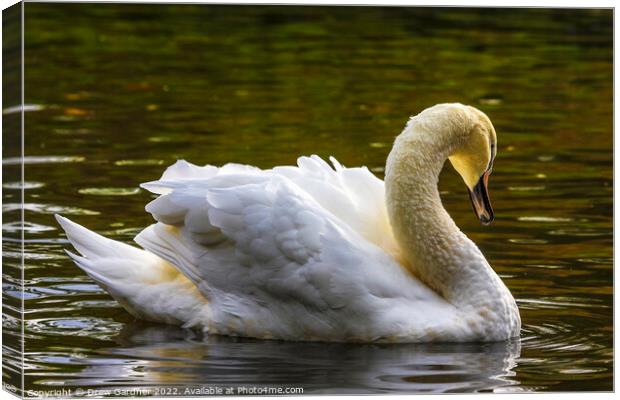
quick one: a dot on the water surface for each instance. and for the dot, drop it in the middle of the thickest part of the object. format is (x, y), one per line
(115, 93)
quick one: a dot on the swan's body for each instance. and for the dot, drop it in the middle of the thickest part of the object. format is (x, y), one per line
(314, 252)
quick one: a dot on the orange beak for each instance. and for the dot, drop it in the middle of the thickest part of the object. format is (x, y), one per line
(480, 199)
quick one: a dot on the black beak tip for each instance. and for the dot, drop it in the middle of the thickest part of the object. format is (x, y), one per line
(486, 219)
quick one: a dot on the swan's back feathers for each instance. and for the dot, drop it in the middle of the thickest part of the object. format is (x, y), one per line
(268, 220)
(352, 195)
(255, 235)
(276, 220)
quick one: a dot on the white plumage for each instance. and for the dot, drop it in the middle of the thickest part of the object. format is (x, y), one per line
(302, 253)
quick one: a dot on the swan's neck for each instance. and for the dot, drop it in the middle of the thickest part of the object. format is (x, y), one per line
(438, 252)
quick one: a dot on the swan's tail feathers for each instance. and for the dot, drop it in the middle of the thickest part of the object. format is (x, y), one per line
(87, 242)
(140, 281)
(90, 268)
(94, 248)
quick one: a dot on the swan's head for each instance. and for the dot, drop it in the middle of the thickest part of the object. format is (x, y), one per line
(473, 157)
(461, 133)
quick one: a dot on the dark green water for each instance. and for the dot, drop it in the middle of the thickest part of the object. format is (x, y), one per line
(115, 93)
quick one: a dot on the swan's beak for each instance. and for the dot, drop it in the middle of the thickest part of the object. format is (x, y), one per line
(480, 199)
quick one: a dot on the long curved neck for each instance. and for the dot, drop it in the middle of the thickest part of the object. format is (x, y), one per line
(438, 252)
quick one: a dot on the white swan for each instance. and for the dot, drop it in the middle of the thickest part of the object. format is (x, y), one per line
(314, 252)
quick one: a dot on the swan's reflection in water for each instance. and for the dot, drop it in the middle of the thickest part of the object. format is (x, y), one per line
(149, 355)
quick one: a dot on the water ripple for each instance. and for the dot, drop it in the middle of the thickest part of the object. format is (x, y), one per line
(29, 227)
(78, 326)
(145, 162)
(47, 209)
(543, 219)
(41, 160)
(110, 191)
(26, 185)
(24, 108)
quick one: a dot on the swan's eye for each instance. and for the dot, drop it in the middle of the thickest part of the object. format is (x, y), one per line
(493, 153)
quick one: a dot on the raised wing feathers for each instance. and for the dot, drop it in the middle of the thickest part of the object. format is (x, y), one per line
(281, 232)
(352, 195)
